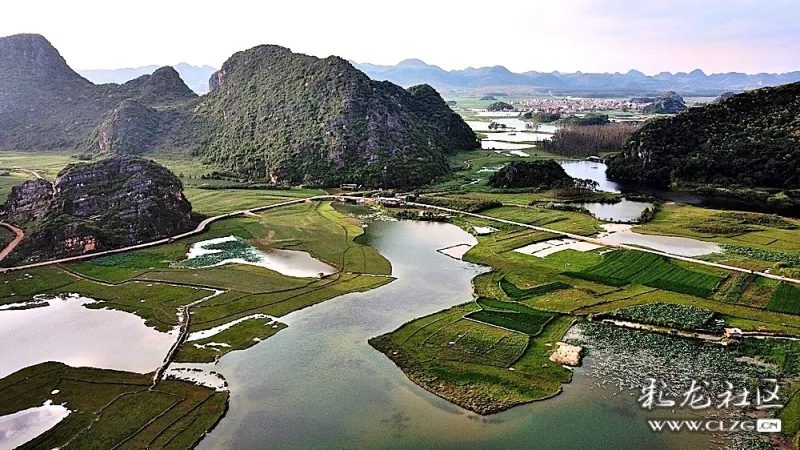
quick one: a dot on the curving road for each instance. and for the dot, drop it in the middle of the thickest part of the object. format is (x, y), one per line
(32, 173)
(13, 244)
(205, 223)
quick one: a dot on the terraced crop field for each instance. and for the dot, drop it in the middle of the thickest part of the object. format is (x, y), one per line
(112, 409)
(622, 267)
(500, 305)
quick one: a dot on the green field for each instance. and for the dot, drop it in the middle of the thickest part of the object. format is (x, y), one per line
(785, 299)
(111, 409)
(47, 164)
(238, 337)
(515, 292)
(9, 181)
(540, 297)
(752, 240)
(570, 222)
(467, 362)
(530, 323)
(622, 267)
(212, 202)
(148, 282)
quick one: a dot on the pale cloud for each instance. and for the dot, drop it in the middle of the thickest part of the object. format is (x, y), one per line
(596, 35)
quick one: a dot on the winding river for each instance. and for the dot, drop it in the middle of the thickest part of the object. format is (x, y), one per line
(319, 384)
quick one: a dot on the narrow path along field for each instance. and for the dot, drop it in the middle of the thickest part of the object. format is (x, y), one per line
(13, 244)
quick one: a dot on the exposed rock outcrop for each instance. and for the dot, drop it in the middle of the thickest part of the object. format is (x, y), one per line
(111, 203)
(28, 201)
(567, 354)
(669, 103)
(129, 129)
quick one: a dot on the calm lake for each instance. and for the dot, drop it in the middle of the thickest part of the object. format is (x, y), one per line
(23, 426)
(66, 331)
(318, 384)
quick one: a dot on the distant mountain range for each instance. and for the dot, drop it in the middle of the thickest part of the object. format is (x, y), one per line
(413, 71)
(194, 77)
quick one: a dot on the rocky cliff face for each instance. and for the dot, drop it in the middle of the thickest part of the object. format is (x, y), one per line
(28, 201)
(130, 129)
(669, 103)
(111, 203)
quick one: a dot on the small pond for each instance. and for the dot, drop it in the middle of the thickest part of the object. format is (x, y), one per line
(592, 170)
(231, 250)
(622, 211)
(681, 246)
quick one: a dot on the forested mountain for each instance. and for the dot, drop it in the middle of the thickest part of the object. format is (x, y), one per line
(414, 71)
(750, 139)
(288, 117)
(272, 115)
(46, 105)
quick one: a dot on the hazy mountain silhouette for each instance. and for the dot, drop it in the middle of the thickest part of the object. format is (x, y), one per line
(413, 71)
(194, 77)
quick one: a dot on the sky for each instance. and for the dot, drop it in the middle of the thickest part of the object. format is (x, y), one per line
(573, 35)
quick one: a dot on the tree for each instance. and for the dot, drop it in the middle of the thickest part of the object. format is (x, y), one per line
(499, 106)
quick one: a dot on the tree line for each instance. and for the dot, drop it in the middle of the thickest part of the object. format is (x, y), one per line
(582, 141)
